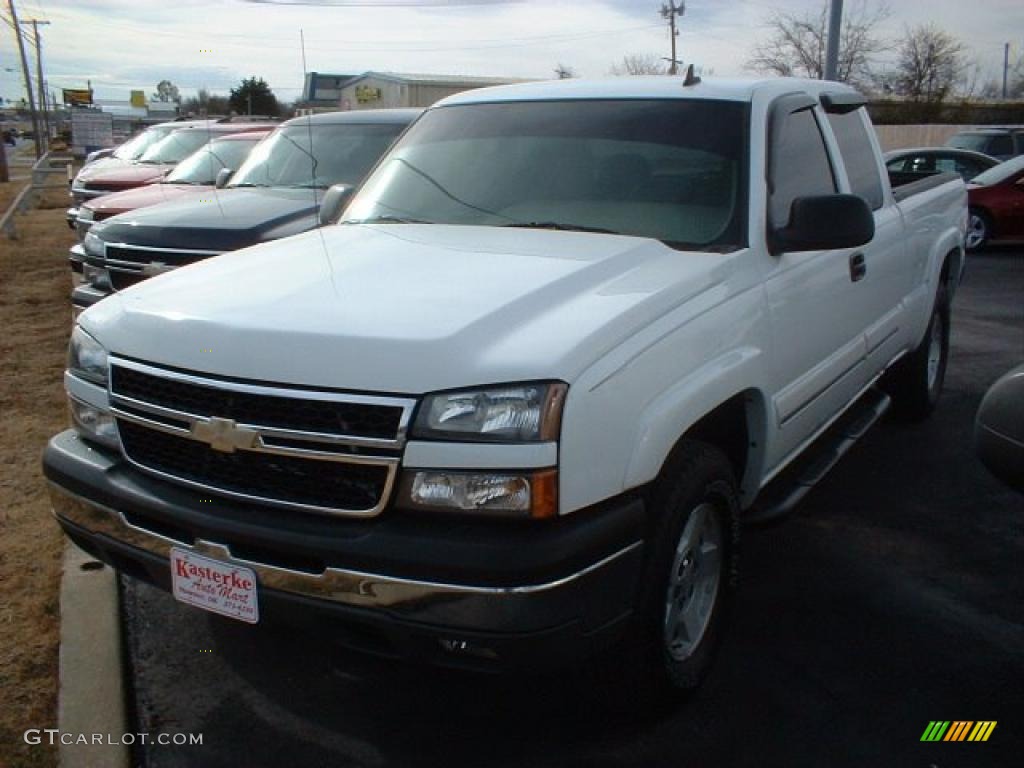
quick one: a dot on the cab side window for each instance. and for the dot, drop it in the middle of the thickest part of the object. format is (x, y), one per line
(800, 163)
(859, 156)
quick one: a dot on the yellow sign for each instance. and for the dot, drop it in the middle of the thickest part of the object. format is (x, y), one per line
(138, 98)
(365, 93)
(77, 96)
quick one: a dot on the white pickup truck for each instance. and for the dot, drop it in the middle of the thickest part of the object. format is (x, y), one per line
(514, 406)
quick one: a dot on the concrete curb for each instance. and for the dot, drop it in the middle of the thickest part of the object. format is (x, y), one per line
(91, 695)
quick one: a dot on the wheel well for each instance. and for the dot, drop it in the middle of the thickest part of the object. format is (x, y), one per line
(727, 428)
(951, 266)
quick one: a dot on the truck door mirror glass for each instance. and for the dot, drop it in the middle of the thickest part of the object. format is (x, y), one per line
(223, 176)
(825, 222)
(334, 201)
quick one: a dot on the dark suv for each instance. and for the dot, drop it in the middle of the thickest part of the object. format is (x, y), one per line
(1000, 143)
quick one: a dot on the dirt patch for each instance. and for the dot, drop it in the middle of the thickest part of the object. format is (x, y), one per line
(35, 318)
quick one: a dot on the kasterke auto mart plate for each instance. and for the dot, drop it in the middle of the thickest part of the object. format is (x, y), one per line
(215, 586)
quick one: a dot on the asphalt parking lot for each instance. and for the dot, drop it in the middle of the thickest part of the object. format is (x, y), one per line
(894, 596)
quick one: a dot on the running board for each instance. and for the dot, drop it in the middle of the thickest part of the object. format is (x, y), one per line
(782, 494)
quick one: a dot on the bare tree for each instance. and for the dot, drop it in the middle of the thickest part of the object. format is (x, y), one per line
(797, 42)
(563, 72)
(167, 91)
(930, 63)
(639, 64)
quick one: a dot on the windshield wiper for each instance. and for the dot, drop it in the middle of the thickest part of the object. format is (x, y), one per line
(560, 226)
(386, 219)
(241, 184)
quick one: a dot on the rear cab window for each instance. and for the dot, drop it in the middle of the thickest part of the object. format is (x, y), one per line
(859, 156)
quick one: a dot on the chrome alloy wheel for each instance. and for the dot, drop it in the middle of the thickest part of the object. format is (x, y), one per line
(693, 582)
(977, 232)
(935, 351)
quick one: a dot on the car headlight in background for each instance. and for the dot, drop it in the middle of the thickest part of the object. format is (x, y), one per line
(93, 245)
(87, 358)
(85, 214)
(511, 413)
(531, 494)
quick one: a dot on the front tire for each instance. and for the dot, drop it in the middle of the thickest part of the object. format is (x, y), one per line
(689, 575)
(915, 383)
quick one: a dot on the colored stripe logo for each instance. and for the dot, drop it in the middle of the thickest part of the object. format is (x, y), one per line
(958, 730)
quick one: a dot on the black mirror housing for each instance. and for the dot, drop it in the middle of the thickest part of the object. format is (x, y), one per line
(825, 222)
(333, 203)
(223, 176)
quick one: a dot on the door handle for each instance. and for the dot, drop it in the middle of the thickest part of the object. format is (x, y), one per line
(858, 268)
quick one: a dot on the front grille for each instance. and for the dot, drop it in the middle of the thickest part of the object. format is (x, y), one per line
(148, 256)
(121, 280)
(318, 451)
(324, 416)
(268, 477)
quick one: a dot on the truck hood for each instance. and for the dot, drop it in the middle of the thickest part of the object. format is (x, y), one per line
(123, 177)
(221, 220)
(142, 197)
(405, 308)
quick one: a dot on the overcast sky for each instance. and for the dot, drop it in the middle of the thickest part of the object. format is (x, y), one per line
(124, 44)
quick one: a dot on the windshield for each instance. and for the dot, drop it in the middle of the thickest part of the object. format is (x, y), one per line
(339, 153)
(201, 166)
(175, 147)
(668, 169)
(1000, 172)
(135, 146)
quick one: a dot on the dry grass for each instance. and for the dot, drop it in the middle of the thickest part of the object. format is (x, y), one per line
(34, 323)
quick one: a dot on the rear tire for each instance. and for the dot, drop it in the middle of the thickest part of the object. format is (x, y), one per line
(915, 383)
(688, 580)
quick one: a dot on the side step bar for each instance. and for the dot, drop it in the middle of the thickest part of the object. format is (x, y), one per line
(781, 496)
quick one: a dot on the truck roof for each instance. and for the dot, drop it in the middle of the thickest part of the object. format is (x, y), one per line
(374, 116)
(646, 87)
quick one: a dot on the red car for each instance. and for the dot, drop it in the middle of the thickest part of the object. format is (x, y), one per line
(996, 202)
(192, 176)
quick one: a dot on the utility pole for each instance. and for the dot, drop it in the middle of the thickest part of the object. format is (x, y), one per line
(1006, 66)
(28, 78)
(835, 25)
(39, 76)
(669, 11)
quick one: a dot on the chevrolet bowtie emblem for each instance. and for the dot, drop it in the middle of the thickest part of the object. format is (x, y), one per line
(224, 434)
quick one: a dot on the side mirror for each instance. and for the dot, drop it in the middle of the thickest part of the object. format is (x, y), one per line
(333, 202)
(825, 222)
(223, 176)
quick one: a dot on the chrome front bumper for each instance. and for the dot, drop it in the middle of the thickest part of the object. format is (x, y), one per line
(455, 606)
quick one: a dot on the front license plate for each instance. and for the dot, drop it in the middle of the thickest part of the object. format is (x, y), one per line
(229, 590)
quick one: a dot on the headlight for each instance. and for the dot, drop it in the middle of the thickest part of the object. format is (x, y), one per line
(505, 494)
(511, 413)
(87, 359)
(94, 423)
(85, 214)
(93, 245)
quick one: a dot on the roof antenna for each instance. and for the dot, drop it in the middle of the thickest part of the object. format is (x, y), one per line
(690, 79)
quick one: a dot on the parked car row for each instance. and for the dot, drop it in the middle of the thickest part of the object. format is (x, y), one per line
(276, 192)
(995, 188)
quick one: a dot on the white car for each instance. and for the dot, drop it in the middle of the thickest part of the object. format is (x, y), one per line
(514, 407)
